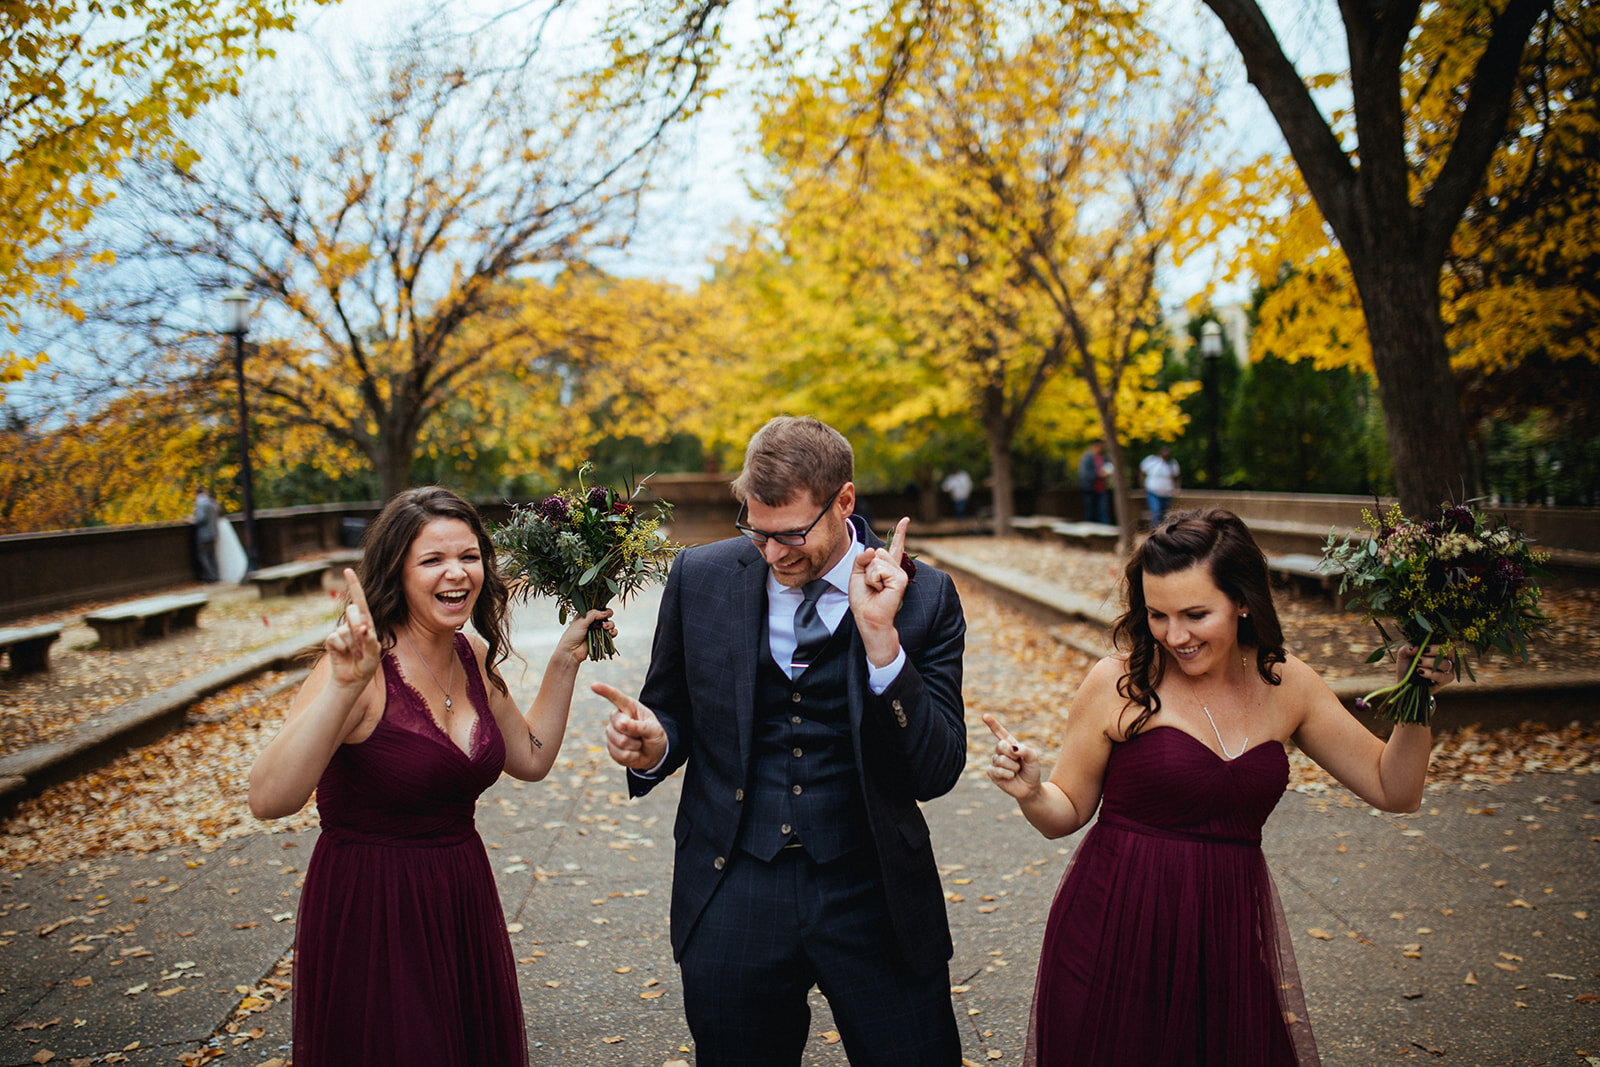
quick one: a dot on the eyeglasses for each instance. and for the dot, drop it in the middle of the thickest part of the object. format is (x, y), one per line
(788, 538)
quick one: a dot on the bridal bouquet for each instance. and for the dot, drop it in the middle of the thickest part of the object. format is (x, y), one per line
(1458, 582)
(584, 549)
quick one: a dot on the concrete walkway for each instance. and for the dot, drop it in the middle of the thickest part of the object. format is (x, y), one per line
(1467, 934)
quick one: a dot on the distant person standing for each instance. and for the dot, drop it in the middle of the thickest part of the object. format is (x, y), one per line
(1160, 474)
(958, 484)
(1094, 473)
(206, 519)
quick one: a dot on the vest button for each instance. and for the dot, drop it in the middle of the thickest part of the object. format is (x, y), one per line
(795, 719)
(795, 790)
(786, 829)
(738, 796)
(794, 698)
(719, 863)
(798, 753)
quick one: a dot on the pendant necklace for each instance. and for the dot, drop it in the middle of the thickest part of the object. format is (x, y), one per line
(448, 705)
(1245, 744)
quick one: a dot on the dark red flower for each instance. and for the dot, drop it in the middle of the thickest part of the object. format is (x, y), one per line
(552, 509)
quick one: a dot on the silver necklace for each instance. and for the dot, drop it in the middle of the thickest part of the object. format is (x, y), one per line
(1245, 744)
(435, 677)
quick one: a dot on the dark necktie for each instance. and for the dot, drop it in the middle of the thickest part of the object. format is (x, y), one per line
(810, 632)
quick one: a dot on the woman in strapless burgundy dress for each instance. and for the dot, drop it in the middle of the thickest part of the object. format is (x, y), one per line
(1166, 943)
(401, 952)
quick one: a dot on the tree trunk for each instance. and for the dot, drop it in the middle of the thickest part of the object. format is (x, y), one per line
(1421, 410)
(1121, 499)
(927, 482)
(1000, 465)
(392, 461)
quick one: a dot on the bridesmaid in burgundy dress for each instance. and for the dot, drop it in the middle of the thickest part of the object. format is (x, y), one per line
(401, 952)
(1166, 942)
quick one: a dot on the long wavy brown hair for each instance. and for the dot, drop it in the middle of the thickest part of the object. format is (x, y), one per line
(1221, 541)
(384, 548)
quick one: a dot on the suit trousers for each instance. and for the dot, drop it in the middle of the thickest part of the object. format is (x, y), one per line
(771, 931)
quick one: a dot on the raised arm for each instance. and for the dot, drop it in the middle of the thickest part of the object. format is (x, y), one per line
(340, 692)
(1390, 774)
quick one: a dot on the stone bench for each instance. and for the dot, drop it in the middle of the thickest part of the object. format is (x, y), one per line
(297, 576)
(1090, 534)
(125, 625)
(1032, 524)
(1305, 572)
(29, 646)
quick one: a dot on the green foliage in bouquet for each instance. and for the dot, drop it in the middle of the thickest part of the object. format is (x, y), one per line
(1457, 583)
(585, 549)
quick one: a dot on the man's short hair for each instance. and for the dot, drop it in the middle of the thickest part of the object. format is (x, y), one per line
(794, 453)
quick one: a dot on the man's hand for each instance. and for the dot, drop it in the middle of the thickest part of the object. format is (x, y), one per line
(634, 737)
(877, 586)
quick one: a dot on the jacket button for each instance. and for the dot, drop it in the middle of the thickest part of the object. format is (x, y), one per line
(786, 829)
(795, 719)
(798, 753)
(738, 796)
(794, 698)
(795, 790)
(719, 863)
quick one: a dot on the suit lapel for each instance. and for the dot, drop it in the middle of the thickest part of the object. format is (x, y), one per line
(746, 613)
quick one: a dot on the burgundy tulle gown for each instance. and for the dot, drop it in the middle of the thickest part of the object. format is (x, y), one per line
(1166, 943)
(401, 954)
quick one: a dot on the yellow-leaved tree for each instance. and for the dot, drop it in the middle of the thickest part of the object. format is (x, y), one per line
(378, 228)
(1430, 92)
(989, 249)
(89, 84)
(1518, 297)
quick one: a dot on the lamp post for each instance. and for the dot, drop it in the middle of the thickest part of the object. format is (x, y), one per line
(236, 307)
(1211, 355)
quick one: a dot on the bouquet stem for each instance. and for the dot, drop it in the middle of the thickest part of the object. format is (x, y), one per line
(1408, 701)
(601, 646)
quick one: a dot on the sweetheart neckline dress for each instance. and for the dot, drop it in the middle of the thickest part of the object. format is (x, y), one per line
(1166, 941)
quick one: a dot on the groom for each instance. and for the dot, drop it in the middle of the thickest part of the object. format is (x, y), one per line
(809, 682)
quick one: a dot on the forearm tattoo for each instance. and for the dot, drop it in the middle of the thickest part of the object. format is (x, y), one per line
(536, 742)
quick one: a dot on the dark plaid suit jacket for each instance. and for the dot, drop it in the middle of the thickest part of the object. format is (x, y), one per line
(909, 743)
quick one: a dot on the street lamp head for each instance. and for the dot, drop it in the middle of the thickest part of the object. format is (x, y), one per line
(1210, 340)
(236, 311)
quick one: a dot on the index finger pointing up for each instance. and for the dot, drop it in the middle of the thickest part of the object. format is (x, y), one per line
(358, 597)
(897, 543)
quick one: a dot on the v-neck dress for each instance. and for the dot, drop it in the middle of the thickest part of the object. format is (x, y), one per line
(401, 953)
(1166, 942)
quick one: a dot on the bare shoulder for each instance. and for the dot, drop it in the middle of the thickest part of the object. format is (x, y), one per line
(1297, 677)
(1105, 675)
(1301, 688)
(1098, 704)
